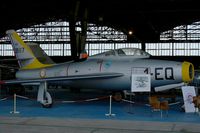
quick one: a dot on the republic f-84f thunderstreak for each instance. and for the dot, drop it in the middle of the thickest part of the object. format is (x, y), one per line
(109, 70)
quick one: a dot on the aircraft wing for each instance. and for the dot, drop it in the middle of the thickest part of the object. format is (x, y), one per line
(64, 78)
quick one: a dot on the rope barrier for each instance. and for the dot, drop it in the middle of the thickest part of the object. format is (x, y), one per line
(3, 99)
(136, 103)
(124, 100)
(86, 100)
(76, 101)
(174, 103)
(23, 97)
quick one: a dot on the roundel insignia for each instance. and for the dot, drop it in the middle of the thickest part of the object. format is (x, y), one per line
(42, 73)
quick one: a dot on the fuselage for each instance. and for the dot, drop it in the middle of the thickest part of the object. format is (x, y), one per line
(162, 72)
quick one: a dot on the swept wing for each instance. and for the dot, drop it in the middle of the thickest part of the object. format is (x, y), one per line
(64, 78)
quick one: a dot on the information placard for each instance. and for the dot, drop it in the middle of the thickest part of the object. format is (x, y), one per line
(141, 83)
(188, 93)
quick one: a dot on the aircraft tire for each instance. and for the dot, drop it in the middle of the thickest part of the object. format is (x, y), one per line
(47, 105)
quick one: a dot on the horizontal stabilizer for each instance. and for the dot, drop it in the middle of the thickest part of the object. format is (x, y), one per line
(64, 78)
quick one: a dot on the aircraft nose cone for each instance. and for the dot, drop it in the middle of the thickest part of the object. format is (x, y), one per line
(187, 71)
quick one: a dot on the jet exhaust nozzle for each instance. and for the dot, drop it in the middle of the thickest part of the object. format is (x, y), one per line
(187, 71)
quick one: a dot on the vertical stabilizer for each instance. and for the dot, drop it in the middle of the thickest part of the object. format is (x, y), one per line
(24, 54)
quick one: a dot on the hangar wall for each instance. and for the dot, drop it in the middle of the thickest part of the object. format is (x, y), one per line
(54, 38)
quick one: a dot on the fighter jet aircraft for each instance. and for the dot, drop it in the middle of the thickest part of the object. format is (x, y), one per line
(110, 70)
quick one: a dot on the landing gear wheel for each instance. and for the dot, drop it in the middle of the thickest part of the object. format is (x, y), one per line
(47, 105)
(48, 102)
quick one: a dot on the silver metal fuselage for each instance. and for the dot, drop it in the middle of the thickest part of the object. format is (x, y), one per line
(162, 72)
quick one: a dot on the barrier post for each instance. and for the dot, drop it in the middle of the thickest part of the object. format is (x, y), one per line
(14, 106)
(130, 105)
(110, 108)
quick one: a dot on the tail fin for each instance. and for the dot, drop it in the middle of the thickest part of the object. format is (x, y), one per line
(24, 53)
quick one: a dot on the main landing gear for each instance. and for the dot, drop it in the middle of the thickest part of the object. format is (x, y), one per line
(44, 96)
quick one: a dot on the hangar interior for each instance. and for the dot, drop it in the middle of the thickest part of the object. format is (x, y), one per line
(168, 29)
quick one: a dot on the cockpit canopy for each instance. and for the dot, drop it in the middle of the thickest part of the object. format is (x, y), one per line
(131, 52)
(135, 52)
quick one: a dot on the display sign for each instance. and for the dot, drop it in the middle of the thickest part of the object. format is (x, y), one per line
(141, 83)
(188, 93)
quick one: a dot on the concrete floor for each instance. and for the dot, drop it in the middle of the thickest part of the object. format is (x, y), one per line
(89, 117)
(59, 125)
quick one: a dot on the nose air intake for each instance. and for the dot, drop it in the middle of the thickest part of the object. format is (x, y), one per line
(187, 71)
